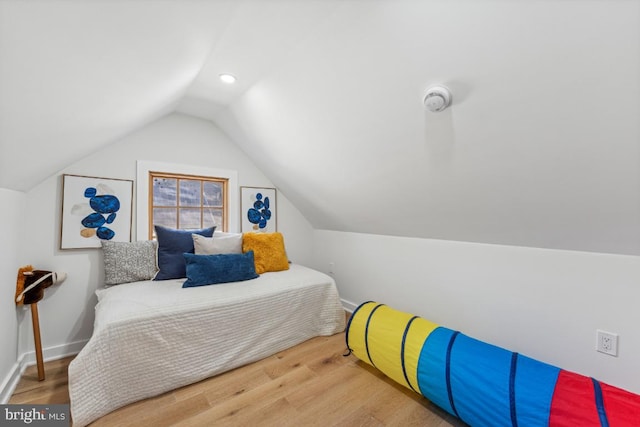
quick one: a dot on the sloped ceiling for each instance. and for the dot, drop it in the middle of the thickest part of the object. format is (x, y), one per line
(541, 146)
(77, 75)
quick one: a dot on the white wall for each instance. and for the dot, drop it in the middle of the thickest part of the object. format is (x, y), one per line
(66, 314)
(11, 230)
(539, 148)
(546, 304)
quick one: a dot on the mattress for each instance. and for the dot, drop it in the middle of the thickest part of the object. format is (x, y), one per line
(151, 337)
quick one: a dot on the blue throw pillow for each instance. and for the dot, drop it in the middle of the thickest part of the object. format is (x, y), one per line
(222, 268)
(172, 244)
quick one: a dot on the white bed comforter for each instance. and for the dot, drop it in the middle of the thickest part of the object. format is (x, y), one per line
(152, 337)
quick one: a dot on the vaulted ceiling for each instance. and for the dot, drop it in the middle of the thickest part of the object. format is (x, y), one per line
(541, 146)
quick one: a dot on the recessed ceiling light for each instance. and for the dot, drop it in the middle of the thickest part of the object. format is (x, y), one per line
(227, 78)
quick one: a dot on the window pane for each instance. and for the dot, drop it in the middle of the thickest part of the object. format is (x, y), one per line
(213, 217)
(212, 193)
(187, 202)
(164, 191)
(165, 216)
(190, 219)
(189, 192)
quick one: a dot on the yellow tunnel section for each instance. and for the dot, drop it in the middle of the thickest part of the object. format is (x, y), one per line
(395, 347)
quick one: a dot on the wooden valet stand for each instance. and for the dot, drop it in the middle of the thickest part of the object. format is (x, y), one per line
(30, 287)
(36, 338)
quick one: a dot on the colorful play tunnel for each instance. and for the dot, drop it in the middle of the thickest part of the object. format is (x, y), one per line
(480, 383)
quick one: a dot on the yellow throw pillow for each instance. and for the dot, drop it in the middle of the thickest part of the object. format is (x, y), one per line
(268, 251)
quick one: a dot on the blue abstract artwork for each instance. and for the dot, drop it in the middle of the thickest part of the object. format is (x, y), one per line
(260, 213)
(104, 208)
(258, 205)
(95, 209)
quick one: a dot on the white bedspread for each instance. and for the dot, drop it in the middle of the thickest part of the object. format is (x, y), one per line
(152, 337)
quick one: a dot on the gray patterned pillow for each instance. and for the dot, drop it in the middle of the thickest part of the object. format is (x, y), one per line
(126, 262)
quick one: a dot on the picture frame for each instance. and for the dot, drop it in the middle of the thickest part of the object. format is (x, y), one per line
(95, 209)
(258, 209)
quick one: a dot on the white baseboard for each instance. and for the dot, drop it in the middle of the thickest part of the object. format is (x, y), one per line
(29, 358)
(348, 305)
(55, 353)
(11, 381)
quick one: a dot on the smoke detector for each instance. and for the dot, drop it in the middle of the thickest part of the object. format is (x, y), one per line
(437, 99)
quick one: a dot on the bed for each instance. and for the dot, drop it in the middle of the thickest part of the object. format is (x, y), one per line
(154, 336)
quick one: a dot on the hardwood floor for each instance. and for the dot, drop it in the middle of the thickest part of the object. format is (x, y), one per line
(310, 384)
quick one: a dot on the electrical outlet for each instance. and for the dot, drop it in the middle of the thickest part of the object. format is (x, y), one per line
(331, 265)
(607, 342)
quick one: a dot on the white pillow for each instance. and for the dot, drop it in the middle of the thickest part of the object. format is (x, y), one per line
(220, 243)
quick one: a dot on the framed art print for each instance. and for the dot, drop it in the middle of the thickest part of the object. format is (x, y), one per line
(259, 210)
(95, 209)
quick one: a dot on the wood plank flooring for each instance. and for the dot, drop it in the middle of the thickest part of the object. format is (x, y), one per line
(311, 384)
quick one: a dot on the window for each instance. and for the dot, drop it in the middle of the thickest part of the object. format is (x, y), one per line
(187, 202)
(144, 192)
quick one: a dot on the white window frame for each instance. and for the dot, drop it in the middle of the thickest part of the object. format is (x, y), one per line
(143, 167)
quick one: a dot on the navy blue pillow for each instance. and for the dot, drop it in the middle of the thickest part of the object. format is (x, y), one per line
(172, 244)
(222, 268)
